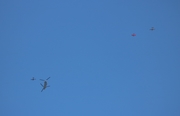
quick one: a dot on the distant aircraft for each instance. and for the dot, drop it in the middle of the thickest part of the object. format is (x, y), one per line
(45, 84)
(33, 79)
(133, 34)
(152, 28)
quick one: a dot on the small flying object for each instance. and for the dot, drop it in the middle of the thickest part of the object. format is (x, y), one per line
(152, 28)
(45, 84)
(33, 79)
(133, 34)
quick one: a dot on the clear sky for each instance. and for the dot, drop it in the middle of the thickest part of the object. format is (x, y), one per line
(96, 67)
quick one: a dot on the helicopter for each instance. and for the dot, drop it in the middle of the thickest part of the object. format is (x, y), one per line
(133, 34)
(33, 79)
(152, 28)
(45, 84)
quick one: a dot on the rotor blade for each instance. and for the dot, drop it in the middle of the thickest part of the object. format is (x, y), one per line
(48, 78)
(42, 85)
(41, 79)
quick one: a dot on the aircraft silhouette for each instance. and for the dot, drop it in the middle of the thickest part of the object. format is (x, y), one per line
(133, 34)
(33, 79)
(45, 84)
(152, 28)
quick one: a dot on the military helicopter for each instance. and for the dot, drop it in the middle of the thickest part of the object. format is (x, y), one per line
(33, 79)
(152, 28)
(45, 84)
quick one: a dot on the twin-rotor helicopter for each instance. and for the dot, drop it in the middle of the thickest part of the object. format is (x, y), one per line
(45, 85)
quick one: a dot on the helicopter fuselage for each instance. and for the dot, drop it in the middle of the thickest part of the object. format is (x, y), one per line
(45, 84)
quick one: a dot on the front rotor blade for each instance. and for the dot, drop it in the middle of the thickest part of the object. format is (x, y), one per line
(48, 78)
(41, 79)
(42, 85)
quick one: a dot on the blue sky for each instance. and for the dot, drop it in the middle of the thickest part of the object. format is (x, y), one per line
(96, 67)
